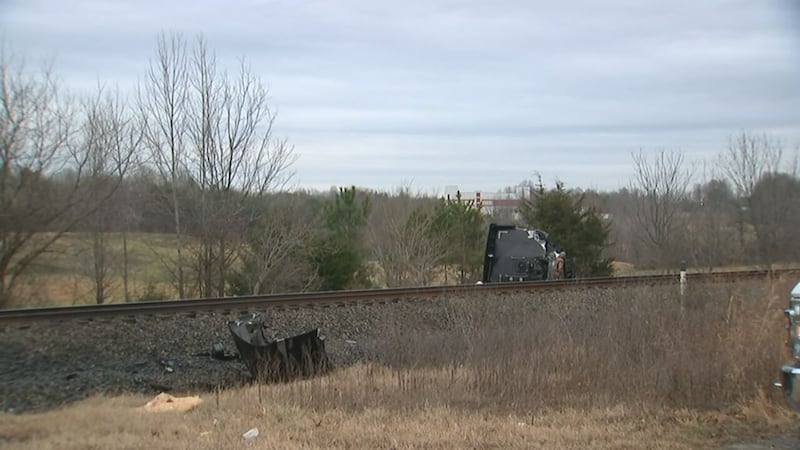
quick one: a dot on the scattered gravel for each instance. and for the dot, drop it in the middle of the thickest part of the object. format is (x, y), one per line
(48, 364)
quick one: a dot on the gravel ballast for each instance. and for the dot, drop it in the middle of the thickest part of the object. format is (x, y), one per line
(624, 333)
(46, 364)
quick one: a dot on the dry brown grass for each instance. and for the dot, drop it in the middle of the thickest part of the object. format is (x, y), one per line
(622, 268)
(356, 415)
(631, 368)
(716, 346)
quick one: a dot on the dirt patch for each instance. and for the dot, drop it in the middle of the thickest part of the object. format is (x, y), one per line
(780, 443)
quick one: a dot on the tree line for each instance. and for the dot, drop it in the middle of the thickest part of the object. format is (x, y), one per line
(741, 208)
(193, 154)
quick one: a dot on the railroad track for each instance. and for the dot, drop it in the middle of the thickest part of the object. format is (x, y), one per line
(336, 298)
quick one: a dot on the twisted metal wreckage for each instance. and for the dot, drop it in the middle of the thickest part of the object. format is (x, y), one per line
(293, 357)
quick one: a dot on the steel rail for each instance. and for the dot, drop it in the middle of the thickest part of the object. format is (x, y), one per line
(330, 298)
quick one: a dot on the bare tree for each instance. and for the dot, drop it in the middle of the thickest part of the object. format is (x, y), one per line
(276, 257)
(775, 216)
(35, 131)
(400, 238)
(44, 190)
(162, 101)
(624, 246)
(421, 254)
(212, 140)
(660, 185)
(712, 224)
(127, 216)
(234, 158)
(750, 157)
(111, 137)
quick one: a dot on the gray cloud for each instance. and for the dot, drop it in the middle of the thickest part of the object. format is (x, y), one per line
(480, 94)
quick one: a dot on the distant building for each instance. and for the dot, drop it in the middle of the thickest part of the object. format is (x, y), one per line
(496, 204)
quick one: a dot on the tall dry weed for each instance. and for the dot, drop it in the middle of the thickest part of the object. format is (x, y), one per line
(718, 345)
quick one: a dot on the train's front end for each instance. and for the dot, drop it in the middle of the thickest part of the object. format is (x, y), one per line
(520, 254)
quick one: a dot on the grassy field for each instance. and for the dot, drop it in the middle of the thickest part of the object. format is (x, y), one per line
(627, 269)
(64, 274)
(640, 367)
(288, 416)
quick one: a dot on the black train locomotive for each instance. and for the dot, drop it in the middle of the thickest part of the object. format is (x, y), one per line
(522, 254)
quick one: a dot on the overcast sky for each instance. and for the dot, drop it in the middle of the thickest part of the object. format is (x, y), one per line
(478, 94)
